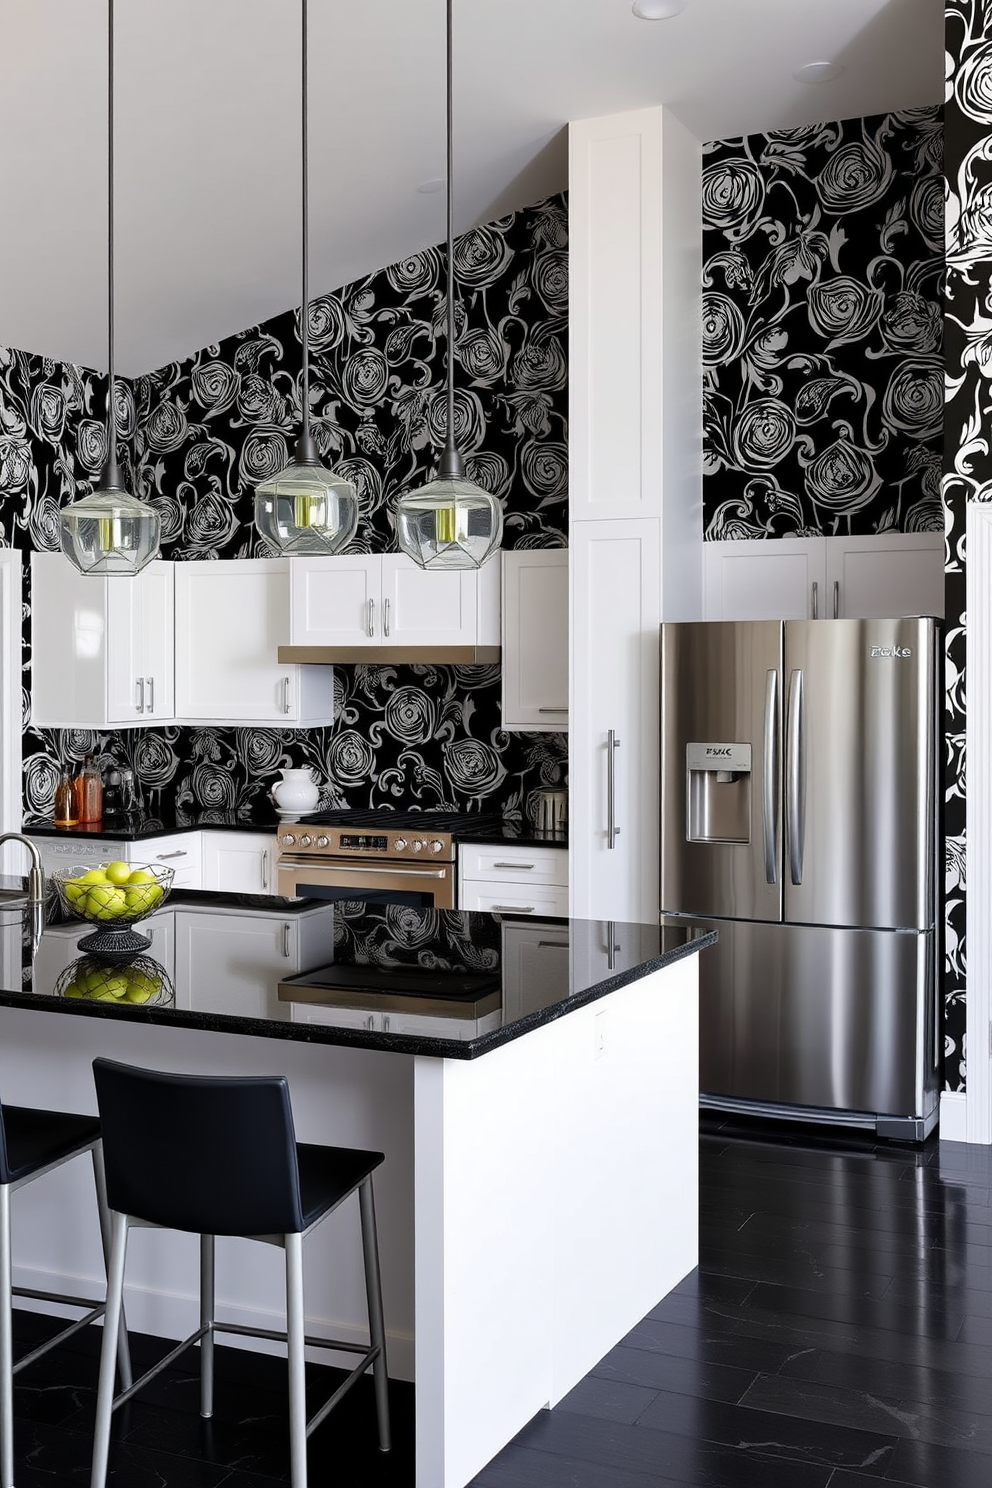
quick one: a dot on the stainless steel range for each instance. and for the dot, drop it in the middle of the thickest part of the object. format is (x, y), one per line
(402, 857)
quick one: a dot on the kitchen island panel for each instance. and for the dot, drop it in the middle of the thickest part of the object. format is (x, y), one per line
(568, 1179)
(351, 1097)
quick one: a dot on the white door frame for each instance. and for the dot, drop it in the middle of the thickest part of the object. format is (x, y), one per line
(11, 720)
(978, 834)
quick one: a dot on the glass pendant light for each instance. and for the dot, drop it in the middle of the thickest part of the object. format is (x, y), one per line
(110, 532)
(306, 508)
(451, 522)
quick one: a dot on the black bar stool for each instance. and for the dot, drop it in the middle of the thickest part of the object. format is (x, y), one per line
(217, 1155)
(33, 1143)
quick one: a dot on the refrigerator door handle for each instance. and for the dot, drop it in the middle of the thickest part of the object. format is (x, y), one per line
(769, 784)
(795, 778)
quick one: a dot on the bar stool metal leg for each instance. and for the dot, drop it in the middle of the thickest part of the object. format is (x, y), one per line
(6, 1344)
(108, 1350)
(207, 1274)
(295, 1332)
(103, 1209)
(373, 1291)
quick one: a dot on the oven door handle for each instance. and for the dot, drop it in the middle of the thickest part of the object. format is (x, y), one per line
(397, 871)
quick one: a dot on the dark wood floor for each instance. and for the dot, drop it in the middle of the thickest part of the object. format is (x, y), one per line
(838, 1334)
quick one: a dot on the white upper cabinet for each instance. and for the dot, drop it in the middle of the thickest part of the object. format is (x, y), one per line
(778, 580)
(535, 639)
(231, 618)
(822, 578)
(891, 573)
(101, 648)
(368, 606)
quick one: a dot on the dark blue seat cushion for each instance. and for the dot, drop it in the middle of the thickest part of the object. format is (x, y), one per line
(33, 1139)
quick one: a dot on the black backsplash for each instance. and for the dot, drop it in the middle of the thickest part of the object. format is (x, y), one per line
(209, 429)
(823, 256)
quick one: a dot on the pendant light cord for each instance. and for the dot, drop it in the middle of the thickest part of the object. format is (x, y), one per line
(451, 461)
(307, 452)
(111, 401)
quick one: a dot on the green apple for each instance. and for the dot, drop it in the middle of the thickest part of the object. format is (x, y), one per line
(94, 876)
(75, 892)
(106, 902)
(141, 876)
(142, 898)
(118, 872)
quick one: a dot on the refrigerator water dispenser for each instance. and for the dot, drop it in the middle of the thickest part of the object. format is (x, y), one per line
(718, 792)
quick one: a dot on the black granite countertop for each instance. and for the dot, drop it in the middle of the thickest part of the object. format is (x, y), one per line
(443, 983)
(265, 819)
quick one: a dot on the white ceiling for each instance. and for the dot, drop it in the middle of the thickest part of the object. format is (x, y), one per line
(207, 103)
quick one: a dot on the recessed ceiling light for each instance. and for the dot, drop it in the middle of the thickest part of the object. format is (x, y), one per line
(818, 72)
(431, 187)
(657, 10)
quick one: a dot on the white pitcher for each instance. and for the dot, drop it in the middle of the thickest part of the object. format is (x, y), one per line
(296, 793)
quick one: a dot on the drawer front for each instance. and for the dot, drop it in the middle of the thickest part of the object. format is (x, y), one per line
(181, 853)
(514, 898)
(507, 864)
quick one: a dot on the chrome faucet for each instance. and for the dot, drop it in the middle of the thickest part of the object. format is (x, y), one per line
(36, 878)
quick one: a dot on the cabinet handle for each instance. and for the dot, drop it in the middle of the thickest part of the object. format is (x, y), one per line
(370, 1022)
(385, 617)
(612, 830)
(385, 1021)
(164, 857)
(265, 869)
(559, 945)
(511, 909)
(815, 600)
(371, 617)
(151, 694)
(140, 699)
(836, 598)
(285, 940)
(285, 694)
(526, 867)
(611, 945)
(552, 710)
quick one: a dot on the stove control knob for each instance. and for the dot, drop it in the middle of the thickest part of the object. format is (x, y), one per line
(306, 841)
(323, 841)
(400, 844)
(437, 846)
(419, 845)
(288, 839)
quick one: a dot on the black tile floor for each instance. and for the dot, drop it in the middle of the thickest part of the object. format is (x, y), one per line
(837, 1334)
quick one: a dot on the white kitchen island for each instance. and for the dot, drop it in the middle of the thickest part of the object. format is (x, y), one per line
(539, 1193)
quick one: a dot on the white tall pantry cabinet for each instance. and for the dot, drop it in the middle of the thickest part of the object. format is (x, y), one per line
(635, 483)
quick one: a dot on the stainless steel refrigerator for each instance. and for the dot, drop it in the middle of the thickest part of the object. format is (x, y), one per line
(799, 816)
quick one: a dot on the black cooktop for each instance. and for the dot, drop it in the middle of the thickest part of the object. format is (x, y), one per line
(402, 821)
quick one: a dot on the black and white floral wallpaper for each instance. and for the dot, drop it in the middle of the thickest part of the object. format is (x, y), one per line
(823, 253)
(208, 429)
(968, 455)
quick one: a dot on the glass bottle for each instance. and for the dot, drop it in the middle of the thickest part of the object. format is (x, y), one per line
(66, 813)
(89, 792)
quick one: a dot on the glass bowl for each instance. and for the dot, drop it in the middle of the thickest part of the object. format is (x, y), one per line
(114, 907)
(137, 982)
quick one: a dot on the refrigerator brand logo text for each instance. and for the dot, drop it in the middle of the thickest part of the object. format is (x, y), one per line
(722, 752)
(890, 651)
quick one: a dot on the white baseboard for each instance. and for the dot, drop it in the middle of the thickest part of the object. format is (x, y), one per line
(953, 1116)
(169, 1315)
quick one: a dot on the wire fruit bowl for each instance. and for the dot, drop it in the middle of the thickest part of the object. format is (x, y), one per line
(114, 904)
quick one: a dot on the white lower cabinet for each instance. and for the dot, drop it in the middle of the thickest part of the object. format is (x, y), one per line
(821, 578)
(238, 862)
(535, 639)
(60, 945)
(229, 960)
(179, 851)
(231, 618)
(513, 880)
